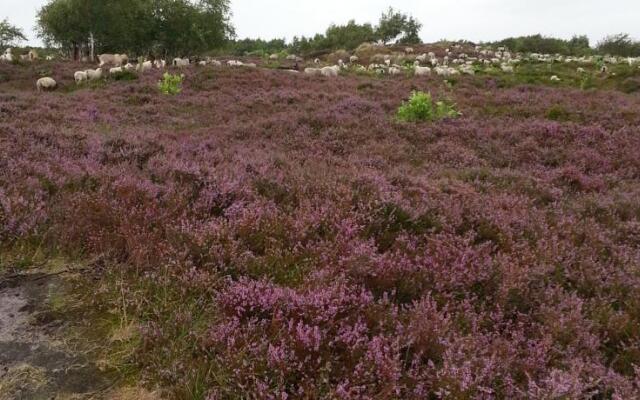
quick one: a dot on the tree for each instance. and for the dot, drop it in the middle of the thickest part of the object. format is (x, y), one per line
(176, 27)
(10, 34)
(619, 45)
(395, 25)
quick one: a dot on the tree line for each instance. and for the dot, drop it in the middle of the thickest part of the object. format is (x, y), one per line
(160, 27)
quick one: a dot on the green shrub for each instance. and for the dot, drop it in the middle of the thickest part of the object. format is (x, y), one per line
(630, 85)
(171, 84)
(421, 107)
(124, 75)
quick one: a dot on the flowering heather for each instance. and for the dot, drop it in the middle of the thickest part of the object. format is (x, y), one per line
(286, 237)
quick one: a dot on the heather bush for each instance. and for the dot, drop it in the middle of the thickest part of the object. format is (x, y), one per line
(124, 75)
(278, 237)
(420, 107)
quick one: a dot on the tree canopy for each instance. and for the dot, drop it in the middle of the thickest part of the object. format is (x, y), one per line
(179, 27)
(10, 34)
(620, 45)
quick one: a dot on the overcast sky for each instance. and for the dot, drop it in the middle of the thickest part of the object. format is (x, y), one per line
(476, 20)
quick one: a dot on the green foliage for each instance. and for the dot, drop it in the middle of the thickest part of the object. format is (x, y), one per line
(124, 75)
(396, 25)
(139, 26)
(421, 107)
(578, 45)
(10, 34)
(619, 45)
(171, 84)
(256, 47)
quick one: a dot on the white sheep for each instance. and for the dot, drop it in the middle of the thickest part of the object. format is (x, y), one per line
(313, 71)
(555, 78)
(422, 71)
(202, 63)
(422, 58)
(144, 66)
(33, 55)
(216, 63)
(353, 59)
(180, 62)
(467, 69)
(128, 67)
(408, 50)
(580, 70)
(93, 75)
(234, 63)
(115, 70)
(291, 57)
(395, 70)
(316, 61)
(274, 57)
(46, 83)
(442, 71)
(80, 76)
(507, 68)
(114, 59)
(330, 71)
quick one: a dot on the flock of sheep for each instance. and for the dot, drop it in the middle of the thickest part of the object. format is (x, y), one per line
(450, 63)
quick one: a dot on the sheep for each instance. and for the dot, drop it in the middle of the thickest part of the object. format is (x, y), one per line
(144, 66)
(160, 64)
(422, 58)
(234, 63)
(115, 70)
(422, 71)
(467, 69)
(292, 57)
(442, 71)
(24, 57)
(93, 75)
(507, 68)
(353, 59)
(316, 61)
(80, 76)
(115, 59)
(330, 71)
(49, 58)
(313, 71)
(180, 62)
(341, 63)
(555, 78)
(408, 50)
(216, 63)
(274, 57)
(580, 70)
(395, 70)
(46, 83)
(33, 55)
(128, 67)
(202, 63)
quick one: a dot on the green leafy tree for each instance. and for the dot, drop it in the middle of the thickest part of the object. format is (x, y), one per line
(10, 34)
(619, 45)
(396, 25)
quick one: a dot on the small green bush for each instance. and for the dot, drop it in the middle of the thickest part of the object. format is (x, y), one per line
(124, 75)
(421, 107)
(171, 84)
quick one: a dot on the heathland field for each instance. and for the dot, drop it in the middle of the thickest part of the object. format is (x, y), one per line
(271, 234)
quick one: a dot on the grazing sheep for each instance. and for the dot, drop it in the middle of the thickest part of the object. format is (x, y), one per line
(313, 71)
(160, 64)
(555, 78)
(94, 75)
(33, 55)
(7, 56)
(316, 61)
(507, 68)
(274, 57)
(128, 67)
(216, 63)
(24, 57)
(395, 70)
(292, 57)
(80, 76)
(422, 71)
(48, 58)
(580, 70)
(234, 63)
(46, 83)
(202, 63)
(408, 50)
(442, 71)
(144, 66)
(422, 58)
(353, 59)
(115, 70)
(115, 59)
(330, 71)
(180, 62)
(467, 69)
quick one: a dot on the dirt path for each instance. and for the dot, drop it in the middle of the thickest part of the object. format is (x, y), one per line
(36, 362)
